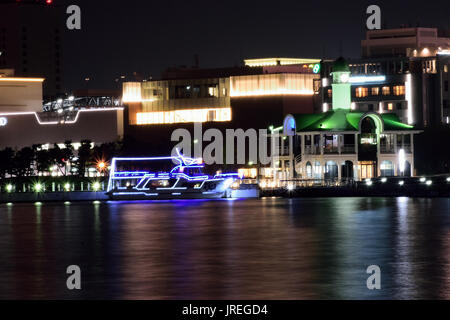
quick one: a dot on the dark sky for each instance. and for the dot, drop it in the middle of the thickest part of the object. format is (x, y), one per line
(122, 37)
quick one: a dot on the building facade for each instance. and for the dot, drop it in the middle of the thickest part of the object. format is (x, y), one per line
(277, 86)
(24, 123)
(402, 71)
(342, 144)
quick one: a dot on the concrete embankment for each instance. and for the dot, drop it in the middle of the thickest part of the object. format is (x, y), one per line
(360, 191)
(52, 197)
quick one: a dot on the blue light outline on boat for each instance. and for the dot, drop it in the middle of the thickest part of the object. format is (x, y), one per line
(182, 162)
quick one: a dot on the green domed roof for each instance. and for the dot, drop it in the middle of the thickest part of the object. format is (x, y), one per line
(341, 65)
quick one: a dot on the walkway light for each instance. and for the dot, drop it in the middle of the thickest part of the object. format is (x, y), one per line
(384, 180)
(448, 179)
(291, 187)
(9, 188)
(369, 182)
(67, 187)
(96, 186)
(401, 183)
(38, 187)
(429, 183)
(423, 180)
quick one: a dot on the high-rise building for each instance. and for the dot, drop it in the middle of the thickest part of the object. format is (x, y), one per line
(30, 41)
(403, 71)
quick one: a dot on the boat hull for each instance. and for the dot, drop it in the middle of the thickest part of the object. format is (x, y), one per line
(165, 195)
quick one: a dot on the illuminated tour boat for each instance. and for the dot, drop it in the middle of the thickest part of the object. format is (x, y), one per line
(163, 178)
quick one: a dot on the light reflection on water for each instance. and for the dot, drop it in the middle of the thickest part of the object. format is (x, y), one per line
(244, 249)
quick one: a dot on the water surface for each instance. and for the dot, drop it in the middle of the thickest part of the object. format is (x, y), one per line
(242, 249)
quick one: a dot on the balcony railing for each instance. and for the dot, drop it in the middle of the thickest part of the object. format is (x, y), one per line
(387, 149)
(331, 150)
(312, 150)
(348, 149)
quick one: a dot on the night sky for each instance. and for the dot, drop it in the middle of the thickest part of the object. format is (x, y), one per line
(122, 37)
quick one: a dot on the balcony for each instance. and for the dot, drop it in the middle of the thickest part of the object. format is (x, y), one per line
(312, 150)
(387, 149)
(331, 150)
(348, 149)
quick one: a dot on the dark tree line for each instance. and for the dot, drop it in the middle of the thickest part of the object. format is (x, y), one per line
(29, 161)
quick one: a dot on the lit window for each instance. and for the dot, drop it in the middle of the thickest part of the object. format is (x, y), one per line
(375, 91)
(184, 116)
(386, 91)
(362, 92)
(399, 90)
(390, 106)
(330, 93)
(272, 85)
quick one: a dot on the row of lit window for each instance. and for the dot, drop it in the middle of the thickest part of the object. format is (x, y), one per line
(362, 92)
(184, 116)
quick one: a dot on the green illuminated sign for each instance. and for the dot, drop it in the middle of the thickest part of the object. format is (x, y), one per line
(316, 68)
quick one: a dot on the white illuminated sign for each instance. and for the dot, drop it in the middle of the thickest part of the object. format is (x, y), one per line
(366, 79)
(3, 122)
(345, 78)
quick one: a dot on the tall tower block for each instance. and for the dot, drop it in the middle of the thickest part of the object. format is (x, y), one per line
(342, 98)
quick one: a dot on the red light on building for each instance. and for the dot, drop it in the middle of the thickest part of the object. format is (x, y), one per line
(49, 1)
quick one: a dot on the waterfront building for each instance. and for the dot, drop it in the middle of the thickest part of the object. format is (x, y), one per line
(19, 94)
(403, 71)
(23, 123)
(266, 88)
(342, 144)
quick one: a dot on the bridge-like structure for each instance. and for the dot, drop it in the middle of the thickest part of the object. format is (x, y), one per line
(74, 103)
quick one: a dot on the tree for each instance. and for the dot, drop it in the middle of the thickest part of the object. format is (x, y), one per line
(84, 157)
(6, 162)
(23, 161)
(57, 158)
(43, 160)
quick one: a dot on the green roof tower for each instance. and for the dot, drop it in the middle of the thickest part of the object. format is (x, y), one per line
(342, 98)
